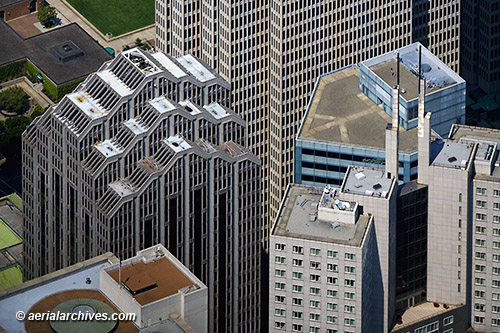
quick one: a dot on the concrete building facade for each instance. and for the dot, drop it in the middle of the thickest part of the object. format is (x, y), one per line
(146, 151)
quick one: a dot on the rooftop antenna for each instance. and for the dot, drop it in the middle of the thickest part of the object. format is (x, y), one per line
(419, 66)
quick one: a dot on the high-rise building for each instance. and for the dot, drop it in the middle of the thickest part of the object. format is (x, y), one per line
(145, 151)
(480, 45)
(350, 108)
(272, 52)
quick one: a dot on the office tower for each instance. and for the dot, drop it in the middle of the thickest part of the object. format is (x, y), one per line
(273, 52)
(93, 287)
(479, 46)
(344, 126)
(146, 151)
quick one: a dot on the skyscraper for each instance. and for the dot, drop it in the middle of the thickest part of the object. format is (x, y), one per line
(272, 52)
(480, 45)
(145, 151)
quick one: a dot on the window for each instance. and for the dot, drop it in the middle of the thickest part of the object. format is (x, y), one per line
(349, 283)
(279, 272)
(480, 230)
(314, 291)
(279, 325)
(279, 260)
(298, 249)
(349, 308)
(279, 286)
(480, 242)
(495, 296)
(297, 262)
(314, 304)
(315, 265)
(297, 275)
(429, 328)
(479, 294)
(296, 288)
(496, 218)
(496, 232)
(297, 314)
(450, 330)
(495, 322)
(350, 269)
(331, 280)
(495, 309)
(296, 328)
(495, 283)
(480, 190)
(496, 205)
(331, 319)
(496, 193)
(313, 329)
(495, 270)
(479, 320)
(479, 282)
(348, 295)
(331, 306)
(480, 255)
(315, 252)
(479, 307)
(314, 316)
(480, 268)
(280, 312)
(279, 299)
(350, 256)
(349, 322)
(332, 254)
(314, 278)
(331, 293)
(280, 247)
(332, 267)
(496, 245)
(448, 321)
(495, 257)
(297, 301)
(480, 217)
(480, 204)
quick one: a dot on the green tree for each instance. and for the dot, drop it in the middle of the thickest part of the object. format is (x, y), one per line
(46, 15)
(14, 100)
(37, 111)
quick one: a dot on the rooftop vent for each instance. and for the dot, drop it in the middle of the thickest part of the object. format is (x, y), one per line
(452, 159)
(377, 186)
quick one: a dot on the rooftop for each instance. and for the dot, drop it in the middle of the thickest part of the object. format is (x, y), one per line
(107, 148)
(38, 50)
(11, 228)
(177, 143)
(296, 219)
(449, 154)
(437, 75)
(152, 281)
(114, 82)
(194, 67)
(141, 61)
(421, 312)
(216, 110)
(169, 65)
(340, 113)
(190, 107)
(161, 104)
(366, 181)
(87, 104)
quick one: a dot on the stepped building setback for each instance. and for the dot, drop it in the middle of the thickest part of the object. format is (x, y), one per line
(147, 151)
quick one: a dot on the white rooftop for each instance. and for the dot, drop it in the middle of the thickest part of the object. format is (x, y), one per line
(162, 104)
(114, 82)
(367, 181)
(24, 300)
(87, 104)
(107, 148)
(194, 67)
(140, 61)
(135, 126)
(450, 154)
(216, 110)
(123, 188)
(169, 65)
(177, 143)
(190, 107)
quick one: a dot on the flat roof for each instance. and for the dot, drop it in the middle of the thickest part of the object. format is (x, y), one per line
(107, 148)
(367, 181)
(169, 65)
(198, 70)
(37, 50)
(294, 221)
(8, 237)
(190, 107)
(87, 104)
(114, 82)
(216, 110)
(161, 104)
(437, 75)
(162, 274)
(420, 312)
(464, 133)
(134, 126)
(449, 154)
(10, 276)
(177, 143)
(340, 113)
(122, 187)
